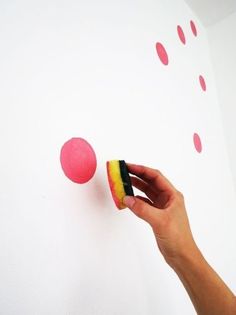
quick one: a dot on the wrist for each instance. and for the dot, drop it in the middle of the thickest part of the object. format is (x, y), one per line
(187, 257)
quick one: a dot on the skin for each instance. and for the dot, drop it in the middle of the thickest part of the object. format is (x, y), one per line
(164, 209)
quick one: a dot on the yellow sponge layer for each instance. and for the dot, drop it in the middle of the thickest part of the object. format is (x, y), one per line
(116, 183)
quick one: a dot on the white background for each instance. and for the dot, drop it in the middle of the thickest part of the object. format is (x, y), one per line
(90, 69)
(223, 50)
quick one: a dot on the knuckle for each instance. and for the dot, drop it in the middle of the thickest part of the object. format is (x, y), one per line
(158, 172)
(179, 196)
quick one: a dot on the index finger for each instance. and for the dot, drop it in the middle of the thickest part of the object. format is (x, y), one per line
(150, 175)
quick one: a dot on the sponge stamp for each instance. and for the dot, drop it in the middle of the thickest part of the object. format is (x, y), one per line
(119, 181)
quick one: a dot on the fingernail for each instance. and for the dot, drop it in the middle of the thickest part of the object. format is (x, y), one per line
(129, 201)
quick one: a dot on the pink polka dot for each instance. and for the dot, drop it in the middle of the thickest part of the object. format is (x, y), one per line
(193, 28)
(202, 83)
(197, 142)
(162, 53)
(181, 34)
(78, 160)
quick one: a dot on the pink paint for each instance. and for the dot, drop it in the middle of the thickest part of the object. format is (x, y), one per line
(193, 28)
(161, 51)
(78, 160)
(197, 142)
(181, 34)
(202, 83)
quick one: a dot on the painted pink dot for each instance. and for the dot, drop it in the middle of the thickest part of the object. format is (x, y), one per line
(162, 53)
(193, 28)
(181, 34)
(197, 142)
(78, 160)
(202, 82)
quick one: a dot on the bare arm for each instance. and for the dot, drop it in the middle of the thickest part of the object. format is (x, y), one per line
(164, 210)
(209, 294)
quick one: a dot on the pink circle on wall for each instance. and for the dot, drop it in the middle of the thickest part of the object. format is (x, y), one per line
(78, 160)
(193, 28)
(161, 51)
(202, 83)
(181, 34)
(197, 142)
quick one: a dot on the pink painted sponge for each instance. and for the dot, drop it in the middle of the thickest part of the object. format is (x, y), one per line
(78, 160)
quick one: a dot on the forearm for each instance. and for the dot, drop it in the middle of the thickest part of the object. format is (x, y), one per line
(208, 293)
(165, 211)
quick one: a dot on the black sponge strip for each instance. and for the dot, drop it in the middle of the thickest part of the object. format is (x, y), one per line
(126, 178)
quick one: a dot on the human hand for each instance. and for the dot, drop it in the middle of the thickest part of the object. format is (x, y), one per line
(164, 209)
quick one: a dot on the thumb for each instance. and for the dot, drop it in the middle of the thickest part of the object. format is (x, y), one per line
(144, 210)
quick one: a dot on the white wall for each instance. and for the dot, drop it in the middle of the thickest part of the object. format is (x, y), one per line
(212, 11)
(223, 51)
(90, 69)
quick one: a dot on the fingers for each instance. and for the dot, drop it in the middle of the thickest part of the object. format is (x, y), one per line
(144, 187)
(145, 211)
(150, 175)
(145, 200)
